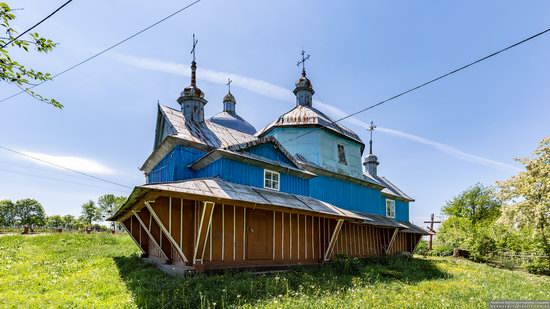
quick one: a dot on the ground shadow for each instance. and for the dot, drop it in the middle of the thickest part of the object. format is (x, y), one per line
(153, 288)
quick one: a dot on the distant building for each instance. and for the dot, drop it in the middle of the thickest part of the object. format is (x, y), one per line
(220, 195)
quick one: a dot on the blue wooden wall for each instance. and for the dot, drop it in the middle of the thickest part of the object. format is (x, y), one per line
(402, 211)
(251, 175)
(174, 166)
(269, 151)
(345, 194)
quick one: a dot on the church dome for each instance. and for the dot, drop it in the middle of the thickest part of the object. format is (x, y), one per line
(192, 91)
(233, 121)
(229, 97)
(303, 83)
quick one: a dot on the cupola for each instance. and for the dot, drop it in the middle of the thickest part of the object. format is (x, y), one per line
(192, 98)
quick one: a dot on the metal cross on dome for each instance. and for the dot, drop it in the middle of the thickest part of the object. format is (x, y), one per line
(303, 62)
(371, 128)
(194, 45)
(229, 81)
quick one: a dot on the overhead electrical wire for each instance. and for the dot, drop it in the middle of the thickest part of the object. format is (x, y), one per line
(66, 168)
(37, 24)
(104, 50)
(422, 85)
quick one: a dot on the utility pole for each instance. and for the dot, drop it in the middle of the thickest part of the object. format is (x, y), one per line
(431, 229)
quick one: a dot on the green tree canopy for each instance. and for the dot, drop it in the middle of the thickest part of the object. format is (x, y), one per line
(14, 72)
(29, 212)
(7, 213)
(55, 221)
(476, 204)
(90, 212)
(527, 197)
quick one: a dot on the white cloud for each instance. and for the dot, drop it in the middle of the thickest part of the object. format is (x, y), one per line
(75, 163)
(279, 93)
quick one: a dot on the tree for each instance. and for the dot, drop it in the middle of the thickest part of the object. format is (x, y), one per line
(90, 212)
(108, 204)
(7, 213)
(527, 197)
(55, 221)
(469, 224)
(29, 212)
(14, 72)
(69, 221)
(476, 204)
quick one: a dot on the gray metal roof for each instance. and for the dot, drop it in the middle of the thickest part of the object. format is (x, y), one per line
(201, 135)
(233, 121)
(310, 116)
(219, 188)
(207, 133)
(382, 221)
(390, 188)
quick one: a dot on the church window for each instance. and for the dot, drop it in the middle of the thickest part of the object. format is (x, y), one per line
(390, 208)
(342, 155)
(271, 180)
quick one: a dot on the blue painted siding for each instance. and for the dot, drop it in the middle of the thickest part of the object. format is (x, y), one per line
(402, 211)
(250, 175)
(346, 194)
(269, 151)
(174, 166)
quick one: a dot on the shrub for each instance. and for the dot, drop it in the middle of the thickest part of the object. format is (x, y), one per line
(422, 248)
(539, 267)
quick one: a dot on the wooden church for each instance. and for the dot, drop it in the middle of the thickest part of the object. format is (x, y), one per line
(218, 194)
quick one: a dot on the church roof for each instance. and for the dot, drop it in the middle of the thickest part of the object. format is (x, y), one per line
(310, 116)
(201, 135)
(233, 121)
(390, 188)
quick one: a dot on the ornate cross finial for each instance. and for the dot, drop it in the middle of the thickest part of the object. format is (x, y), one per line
(229, 81)
(194, 45)
(371, 128)
(303, 61)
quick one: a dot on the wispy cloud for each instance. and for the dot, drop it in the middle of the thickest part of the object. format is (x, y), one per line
(279, 93)
(75, 163)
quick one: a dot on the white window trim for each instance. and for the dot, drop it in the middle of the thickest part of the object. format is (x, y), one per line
(392, 202)
(278, 177)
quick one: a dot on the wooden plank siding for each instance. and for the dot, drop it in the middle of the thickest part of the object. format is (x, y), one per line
(288, 237)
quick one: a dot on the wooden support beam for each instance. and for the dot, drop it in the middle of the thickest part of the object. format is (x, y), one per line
(417, 243)
(132, 236)
(205, 224)
(166, 231)
(150, 235)
(390, 245)
(333, 239)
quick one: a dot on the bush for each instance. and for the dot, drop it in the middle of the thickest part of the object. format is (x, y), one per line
(539, 267)
(422, 248)
(442, 250)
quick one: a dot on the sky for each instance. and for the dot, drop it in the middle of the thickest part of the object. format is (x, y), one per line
(432, 143)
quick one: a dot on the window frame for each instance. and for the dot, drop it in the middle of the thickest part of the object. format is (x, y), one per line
(392, 205)
(341, 160)
(272, 180)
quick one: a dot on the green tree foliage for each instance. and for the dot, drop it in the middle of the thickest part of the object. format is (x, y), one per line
(7, 213)
(14, 72)
(527, 197)
(469, 224)
(29, 212)
(90, 212)
(55, 221)
(108, 204)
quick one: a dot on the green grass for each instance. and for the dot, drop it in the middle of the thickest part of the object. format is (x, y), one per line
(104, 270)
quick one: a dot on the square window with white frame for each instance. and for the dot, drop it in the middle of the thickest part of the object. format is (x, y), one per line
(390, 208)
(271, 180)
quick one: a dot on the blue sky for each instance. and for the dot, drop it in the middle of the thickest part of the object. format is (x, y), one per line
(432, 143)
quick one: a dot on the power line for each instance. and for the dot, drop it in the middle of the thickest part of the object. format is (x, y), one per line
(37, 24)
(57, 179)
(103, 51)
(63, 167)
(424, 84)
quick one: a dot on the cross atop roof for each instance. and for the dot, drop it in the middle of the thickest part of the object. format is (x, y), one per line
(303, 62)
(194, 45)
(229, 81)
(371, 128)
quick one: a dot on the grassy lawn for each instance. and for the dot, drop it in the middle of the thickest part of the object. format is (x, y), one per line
(103, 270)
